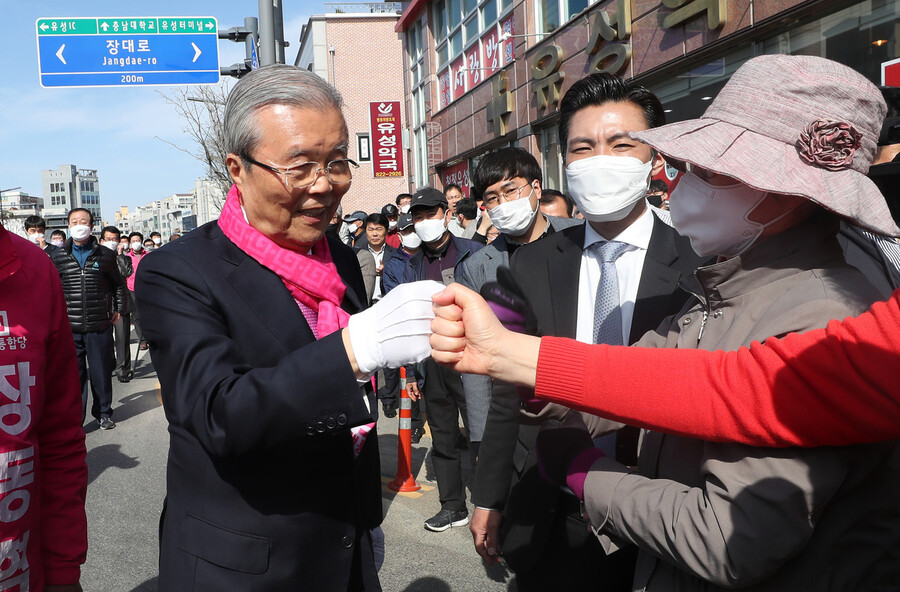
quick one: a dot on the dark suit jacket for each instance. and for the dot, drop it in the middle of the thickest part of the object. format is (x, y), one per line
(548, 272)
(263, 490)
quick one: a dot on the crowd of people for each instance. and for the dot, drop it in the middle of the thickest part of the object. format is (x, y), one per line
(279, 330)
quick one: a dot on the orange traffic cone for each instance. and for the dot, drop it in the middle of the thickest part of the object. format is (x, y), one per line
(404, 480)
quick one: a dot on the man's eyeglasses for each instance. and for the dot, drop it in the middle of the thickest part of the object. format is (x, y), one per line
(301, 176)
(492, 199)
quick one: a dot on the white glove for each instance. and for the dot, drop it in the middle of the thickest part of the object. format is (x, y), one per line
(395, 330)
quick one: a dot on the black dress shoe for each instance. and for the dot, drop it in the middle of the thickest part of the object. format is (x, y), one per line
(390, 412)
(125, 377)
(416, 435)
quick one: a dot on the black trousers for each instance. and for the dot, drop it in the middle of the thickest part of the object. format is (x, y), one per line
(122, 339)
(445, 402)
(389, 395)
(135, 316)
(94, 351)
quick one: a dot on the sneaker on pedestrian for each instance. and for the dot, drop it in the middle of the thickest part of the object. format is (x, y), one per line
(106, 423)
(446, 519)
(416, 435)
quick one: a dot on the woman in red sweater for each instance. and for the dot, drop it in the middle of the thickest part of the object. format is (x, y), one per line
(785, 392)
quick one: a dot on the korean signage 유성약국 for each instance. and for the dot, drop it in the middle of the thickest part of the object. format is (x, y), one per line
(387, 147)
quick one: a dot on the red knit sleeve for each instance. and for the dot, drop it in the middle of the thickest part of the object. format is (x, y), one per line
(62, 452)
(832, 386)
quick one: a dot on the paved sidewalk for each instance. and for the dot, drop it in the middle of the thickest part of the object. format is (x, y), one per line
(126, 468)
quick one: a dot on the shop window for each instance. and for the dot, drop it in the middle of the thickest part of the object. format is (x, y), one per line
(554, 13)
(459, 23)
(489, 12)
(472, 29)
(551, 159)
(862, 37)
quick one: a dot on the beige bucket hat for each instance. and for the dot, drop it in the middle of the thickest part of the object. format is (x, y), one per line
(794, 125)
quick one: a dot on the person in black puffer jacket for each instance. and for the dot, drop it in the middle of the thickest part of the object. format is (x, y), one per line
(95, 299)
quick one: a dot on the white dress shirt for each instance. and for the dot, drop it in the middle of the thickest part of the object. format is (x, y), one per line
(379, 258)
(629, 266)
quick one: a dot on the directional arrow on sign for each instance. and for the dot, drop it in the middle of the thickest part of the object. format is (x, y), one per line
(197, 52)
(105, 27)
(59, 53)
(44, 27)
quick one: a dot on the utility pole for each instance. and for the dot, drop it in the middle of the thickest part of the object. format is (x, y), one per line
(264, 38)
(266, 32)
(280, 43)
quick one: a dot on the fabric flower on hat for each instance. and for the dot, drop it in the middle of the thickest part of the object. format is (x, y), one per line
(829, 144)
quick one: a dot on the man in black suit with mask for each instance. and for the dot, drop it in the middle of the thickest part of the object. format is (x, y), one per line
(608, 281)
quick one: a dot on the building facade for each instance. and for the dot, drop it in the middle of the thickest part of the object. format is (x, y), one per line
(69, 187)
(482, 74)
(355, 48)
(15, 207)
(165, 216)
(208, 202)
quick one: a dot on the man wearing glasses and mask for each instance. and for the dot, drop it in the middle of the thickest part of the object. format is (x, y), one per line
(265, 356)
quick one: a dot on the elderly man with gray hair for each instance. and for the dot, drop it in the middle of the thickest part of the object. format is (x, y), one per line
(259, 332)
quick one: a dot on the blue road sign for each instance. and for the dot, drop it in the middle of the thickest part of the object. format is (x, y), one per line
(127, 51)
(254, 58)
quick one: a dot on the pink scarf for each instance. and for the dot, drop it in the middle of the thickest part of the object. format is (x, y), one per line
(312, 279)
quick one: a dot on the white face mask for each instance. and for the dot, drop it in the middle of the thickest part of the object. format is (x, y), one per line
(605, 188)
(716, 218)
(514, 217)
(36, 238)
(111, 245)
(57, 243)
(404, 209)
(137, 247)
(157, 241)
(79, 232)
(149, 248)
(410, 241)
(430, 230)
(392, 224)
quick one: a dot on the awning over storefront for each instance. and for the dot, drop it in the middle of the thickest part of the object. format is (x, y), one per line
(410, 14)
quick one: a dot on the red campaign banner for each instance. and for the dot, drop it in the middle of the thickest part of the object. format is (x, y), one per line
(387, 146)
(474, 72)
(457, 174)
(444, 88)
(509, 48)
(458, 80)
(492, 53)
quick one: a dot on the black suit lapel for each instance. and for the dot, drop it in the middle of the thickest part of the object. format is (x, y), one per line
(348, 268)
(659, 281)
(268, 298)
(564, 268)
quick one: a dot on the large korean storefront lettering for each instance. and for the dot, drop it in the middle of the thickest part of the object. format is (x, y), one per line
(387, 150)
(457, 174)
(495, 49)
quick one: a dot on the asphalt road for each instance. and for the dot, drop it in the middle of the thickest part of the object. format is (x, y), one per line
(126, 487)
